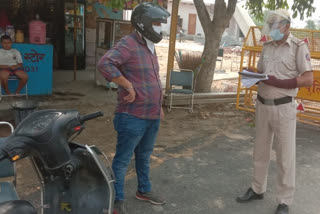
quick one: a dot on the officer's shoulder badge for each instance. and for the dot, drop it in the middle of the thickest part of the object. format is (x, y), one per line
(308, 57)
(296, 41)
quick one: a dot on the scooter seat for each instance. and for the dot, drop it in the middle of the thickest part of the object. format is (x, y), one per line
(3, 139)
(7, 192)
(17, 207)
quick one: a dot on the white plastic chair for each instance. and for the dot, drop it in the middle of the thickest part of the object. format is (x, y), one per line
(14, 78)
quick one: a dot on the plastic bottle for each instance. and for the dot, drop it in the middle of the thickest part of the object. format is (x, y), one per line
(19, 36)
(10, 32)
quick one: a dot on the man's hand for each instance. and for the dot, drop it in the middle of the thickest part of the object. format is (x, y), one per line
(130, 98)
(287, 83)
(271, 80)
(161, 114)
(5, 67)
(305, 80)
(13, 67)
(127, 85)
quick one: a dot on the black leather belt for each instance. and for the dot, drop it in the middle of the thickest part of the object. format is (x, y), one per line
(274, 102)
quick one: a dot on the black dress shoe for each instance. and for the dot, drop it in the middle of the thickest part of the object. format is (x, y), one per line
(249, 196)
(282, 209)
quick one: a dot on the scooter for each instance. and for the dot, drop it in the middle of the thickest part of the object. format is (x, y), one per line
(75, 179)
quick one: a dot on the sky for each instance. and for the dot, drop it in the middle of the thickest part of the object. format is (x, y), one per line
(296, 23)
(315, 16)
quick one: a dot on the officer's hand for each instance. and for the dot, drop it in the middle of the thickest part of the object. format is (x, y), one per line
(271, 80)
(131, 96)
(249, 69)
(279, 83)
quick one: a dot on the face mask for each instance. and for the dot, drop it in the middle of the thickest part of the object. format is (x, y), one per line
(156, 28)
(150, 45)
(276, 34)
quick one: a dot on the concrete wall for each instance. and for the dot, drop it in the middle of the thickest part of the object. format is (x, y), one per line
(188, 8)
(90, 46)
(101, 11)
(184, 10)
(233, 29)
(243, 19)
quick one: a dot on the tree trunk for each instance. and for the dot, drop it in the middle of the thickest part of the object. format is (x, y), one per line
(213, 30)
(211, 47)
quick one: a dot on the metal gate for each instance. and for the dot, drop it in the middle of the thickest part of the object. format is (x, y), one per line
(308, 98)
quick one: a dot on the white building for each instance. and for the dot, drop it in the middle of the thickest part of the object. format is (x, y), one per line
(189, 20)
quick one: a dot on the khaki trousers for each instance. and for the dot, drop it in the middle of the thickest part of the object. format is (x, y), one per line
(278, 124)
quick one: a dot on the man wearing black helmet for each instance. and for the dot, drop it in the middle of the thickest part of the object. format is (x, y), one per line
(133, 65)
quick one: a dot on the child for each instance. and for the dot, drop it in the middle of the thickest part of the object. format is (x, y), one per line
(11, 64)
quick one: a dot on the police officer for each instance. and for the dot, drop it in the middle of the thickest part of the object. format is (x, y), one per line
(286, 61)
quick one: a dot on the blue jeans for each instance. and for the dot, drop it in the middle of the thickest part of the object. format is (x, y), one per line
(138, 136)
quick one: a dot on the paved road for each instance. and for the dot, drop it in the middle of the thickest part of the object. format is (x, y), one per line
(208, 180)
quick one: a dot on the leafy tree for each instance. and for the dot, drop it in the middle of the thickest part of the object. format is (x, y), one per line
(214, 27)
(310, 25)
(259, 22)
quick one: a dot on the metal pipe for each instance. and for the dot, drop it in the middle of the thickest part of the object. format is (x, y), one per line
(172, 41)
(75, 24)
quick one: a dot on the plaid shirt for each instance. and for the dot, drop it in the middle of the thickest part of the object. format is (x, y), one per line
(131, 58)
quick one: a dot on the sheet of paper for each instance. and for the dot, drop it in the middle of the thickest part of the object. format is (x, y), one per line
(249, 82)
(249, 74)
(248, 79)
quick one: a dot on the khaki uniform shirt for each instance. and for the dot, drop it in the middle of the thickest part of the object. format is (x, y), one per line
(286, 61)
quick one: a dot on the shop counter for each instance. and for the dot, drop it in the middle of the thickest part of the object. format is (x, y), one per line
(38, 63)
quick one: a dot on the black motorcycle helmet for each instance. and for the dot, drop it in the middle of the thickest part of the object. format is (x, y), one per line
(142, 17)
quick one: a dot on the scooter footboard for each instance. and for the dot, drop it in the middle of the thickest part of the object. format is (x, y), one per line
(90, 189)
(104, 165)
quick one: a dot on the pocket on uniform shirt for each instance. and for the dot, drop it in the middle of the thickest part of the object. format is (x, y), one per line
(265, 64)
(289, 63)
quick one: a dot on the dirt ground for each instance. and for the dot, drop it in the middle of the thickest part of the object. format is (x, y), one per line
(206, 120)
(230, 64)
(176, 128)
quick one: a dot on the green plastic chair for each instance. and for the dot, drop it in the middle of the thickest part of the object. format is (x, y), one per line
(182, 78)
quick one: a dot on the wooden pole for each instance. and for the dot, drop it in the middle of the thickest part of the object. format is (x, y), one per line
(172, 41)
(75, 25)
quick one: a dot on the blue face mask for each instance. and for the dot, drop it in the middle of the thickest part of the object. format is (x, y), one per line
(276, 34)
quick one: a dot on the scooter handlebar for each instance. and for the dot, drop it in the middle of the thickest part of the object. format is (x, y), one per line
(84, 118)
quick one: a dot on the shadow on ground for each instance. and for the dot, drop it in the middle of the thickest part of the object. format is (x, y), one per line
(208, 180)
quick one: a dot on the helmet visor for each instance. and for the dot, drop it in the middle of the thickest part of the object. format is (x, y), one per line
(273, 26)
(157, 13)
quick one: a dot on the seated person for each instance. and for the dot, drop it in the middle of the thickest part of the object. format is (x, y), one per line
(11, 64)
